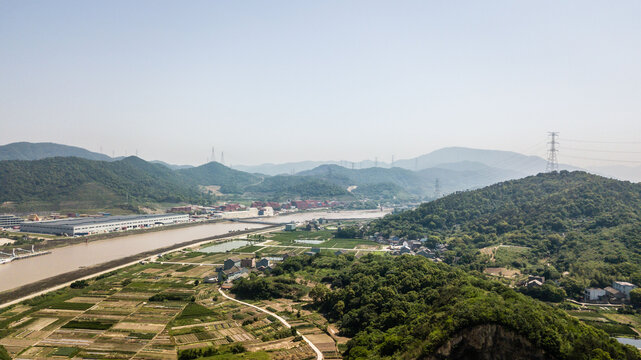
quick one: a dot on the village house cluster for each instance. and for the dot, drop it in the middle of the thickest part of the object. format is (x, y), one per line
(236, 268)
(618, 293)
(402, 246)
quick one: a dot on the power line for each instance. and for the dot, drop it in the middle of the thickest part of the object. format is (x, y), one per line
(602, 142)
(609, 160)
(604, 151)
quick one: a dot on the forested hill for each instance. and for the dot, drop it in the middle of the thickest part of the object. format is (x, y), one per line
(584, 224)
(550, 202)
(214, 173)
(92, 183)
(71, 183)
(37, 151)
(407, 307)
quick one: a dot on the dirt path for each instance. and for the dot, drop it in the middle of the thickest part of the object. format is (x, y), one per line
(319, 354)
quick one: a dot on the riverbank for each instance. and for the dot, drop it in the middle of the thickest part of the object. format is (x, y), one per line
(52, 283)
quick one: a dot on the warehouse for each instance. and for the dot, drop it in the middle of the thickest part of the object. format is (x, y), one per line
(7, 221)
(94, 225)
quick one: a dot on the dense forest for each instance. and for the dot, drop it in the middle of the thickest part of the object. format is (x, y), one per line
(83, 183)
(576, 222)
(230, 181)
(69, 178)
(407, 307)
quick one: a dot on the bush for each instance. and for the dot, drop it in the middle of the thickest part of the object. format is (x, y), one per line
(80, 284)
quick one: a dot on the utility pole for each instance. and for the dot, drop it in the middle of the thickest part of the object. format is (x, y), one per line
(437, 189)
(553, 161)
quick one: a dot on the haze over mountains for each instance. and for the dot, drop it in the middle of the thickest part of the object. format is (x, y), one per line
(78, 174)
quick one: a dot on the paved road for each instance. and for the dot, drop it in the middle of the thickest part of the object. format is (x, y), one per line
(319, 354)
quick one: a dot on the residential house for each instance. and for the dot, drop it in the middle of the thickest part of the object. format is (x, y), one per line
(593, 294)
(405, 250)
(232, 274)
(230, 263)
(248, 263)
(614, 295)
(264, 262)
(426, 253)
(624, 287)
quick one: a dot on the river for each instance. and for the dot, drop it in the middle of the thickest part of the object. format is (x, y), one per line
(65, 259)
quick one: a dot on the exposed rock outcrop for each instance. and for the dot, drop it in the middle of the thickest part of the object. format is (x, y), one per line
(489, 342)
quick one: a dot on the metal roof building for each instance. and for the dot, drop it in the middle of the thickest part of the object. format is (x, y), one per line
(10, 220)
(93, 225)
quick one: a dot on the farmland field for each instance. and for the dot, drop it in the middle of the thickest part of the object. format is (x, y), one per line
(150, 311)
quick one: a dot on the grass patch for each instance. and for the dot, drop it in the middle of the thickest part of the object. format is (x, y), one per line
(259, 355)
(185, 268)
(144, 336)
(613, 329)
(66, 351)
(249, 249)
(195, 310)
(88, 325)
(70, 306)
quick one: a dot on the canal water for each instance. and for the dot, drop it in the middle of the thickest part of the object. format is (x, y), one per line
(226, 246)
(62, 260)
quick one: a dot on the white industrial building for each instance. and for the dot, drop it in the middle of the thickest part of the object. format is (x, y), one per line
(94, 225)
(7, 221)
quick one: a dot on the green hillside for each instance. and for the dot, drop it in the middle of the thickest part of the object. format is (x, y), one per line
(410, 181)
(284, 186)
(214, 173)
(53, 182)
(37, 151)
(407, 307)
(584, 224)
(403, 183)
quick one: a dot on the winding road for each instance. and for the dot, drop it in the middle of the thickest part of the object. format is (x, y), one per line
(319, 354)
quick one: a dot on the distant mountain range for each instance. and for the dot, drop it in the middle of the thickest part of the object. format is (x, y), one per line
(76, 173)
(38, 151)
(451, 155)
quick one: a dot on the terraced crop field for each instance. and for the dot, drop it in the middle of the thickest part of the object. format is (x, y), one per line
(150, 311)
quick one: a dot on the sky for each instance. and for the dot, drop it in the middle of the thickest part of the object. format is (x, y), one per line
(283, 81)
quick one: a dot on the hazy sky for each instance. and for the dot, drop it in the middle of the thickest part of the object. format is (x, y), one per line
(275, 81)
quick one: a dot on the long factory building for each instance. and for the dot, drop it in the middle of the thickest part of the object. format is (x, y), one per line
(94, 225)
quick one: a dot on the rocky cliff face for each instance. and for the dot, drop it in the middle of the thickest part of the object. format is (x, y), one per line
(488, 342)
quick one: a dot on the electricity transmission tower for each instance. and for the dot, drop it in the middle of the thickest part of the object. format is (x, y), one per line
(553, 161)
(437, 189)
(213, 154)
(222, 157)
